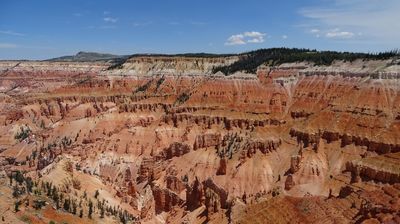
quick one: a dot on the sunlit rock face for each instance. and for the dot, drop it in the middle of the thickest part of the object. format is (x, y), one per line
(166, 140)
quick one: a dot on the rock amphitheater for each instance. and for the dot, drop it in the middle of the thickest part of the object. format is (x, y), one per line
(165, 140)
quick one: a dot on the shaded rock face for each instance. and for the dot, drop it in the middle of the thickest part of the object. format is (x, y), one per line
(345, 191)
(295, 163)
(149, 170)
(165, 199)
(175, 184)
(206, 140)
(131, 189)
(194, 195)
(384, 168)
(208, 194)
(264, 147)
(176, 149)
(289, 183)
(374, 145)
(222, 167)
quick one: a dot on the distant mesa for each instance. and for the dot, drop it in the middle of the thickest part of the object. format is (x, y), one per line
(83, 56)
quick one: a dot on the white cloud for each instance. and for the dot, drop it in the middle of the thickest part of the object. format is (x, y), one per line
(9, 32)
(246, 37)
(106, 12)
(110, 19)
(237, 39)
(340, 34)
(8, 45)
(374, 20)
(334, 33)
(284, 37)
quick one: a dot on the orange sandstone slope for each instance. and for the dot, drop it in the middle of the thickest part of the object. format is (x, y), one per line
(162, 140)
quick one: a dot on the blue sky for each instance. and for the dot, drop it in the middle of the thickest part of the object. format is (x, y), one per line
(43, 29)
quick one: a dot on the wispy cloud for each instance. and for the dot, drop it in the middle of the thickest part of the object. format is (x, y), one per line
(285, 37)
(174, 23)
(8, 45)
(374, 19)
(9, 32)
(193, 23)
(77, 14)
(337, 33)
(246, 37)
(197, 23)
(138, 24)
(105, 27)
(334, 34)
(110, 19)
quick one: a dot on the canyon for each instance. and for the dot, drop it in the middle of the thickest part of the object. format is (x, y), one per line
(167, 139)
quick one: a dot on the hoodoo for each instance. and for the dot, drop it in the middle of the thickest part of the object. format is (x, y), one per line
(172, 139)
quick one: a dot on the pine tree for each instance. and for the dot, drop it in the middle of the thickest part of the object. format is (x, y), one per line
(56, 198)
(19, 177)
(67, 203)
(74, 207)
(11, 179)
(102, 212)
(90, 209)
(16, 206)
(29, 184)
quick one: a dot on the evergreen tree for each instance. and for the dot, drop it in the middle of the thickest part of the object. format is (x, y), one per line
(29, 184)
(11, 179)
(102, 212)
(74, 206)
(67, 204)
(16, 206)
(90, 209)
(19, 177)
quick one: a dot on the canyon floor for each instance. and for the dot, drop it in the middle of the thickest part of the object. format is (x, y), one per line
(164, 140)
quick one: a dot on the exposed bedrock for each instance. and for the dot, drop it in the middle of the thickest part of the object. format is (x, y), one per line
(206, 140)
(208, 121)
(377, 146)
(383, 168)
(149, 170)
(206, 193)
(175, 184)
(165, 199)
(264, 146)
(176, 149)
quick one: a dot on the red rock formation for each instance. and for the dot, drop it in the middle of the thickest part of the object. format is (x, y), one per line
(165, 199)
(176, 149)
(222, 167)
(295, 163)
(206, 140)
(149, 170)
(138, 138)
(383, 168)
(194, 195)
(175, 184)
(289, 183)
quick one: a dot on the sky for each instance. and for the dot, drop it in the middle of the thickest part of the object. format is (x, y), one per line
(42, 29)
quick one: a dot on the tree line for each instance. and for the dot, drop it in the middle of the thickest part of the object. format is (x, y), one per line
(249, 61)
